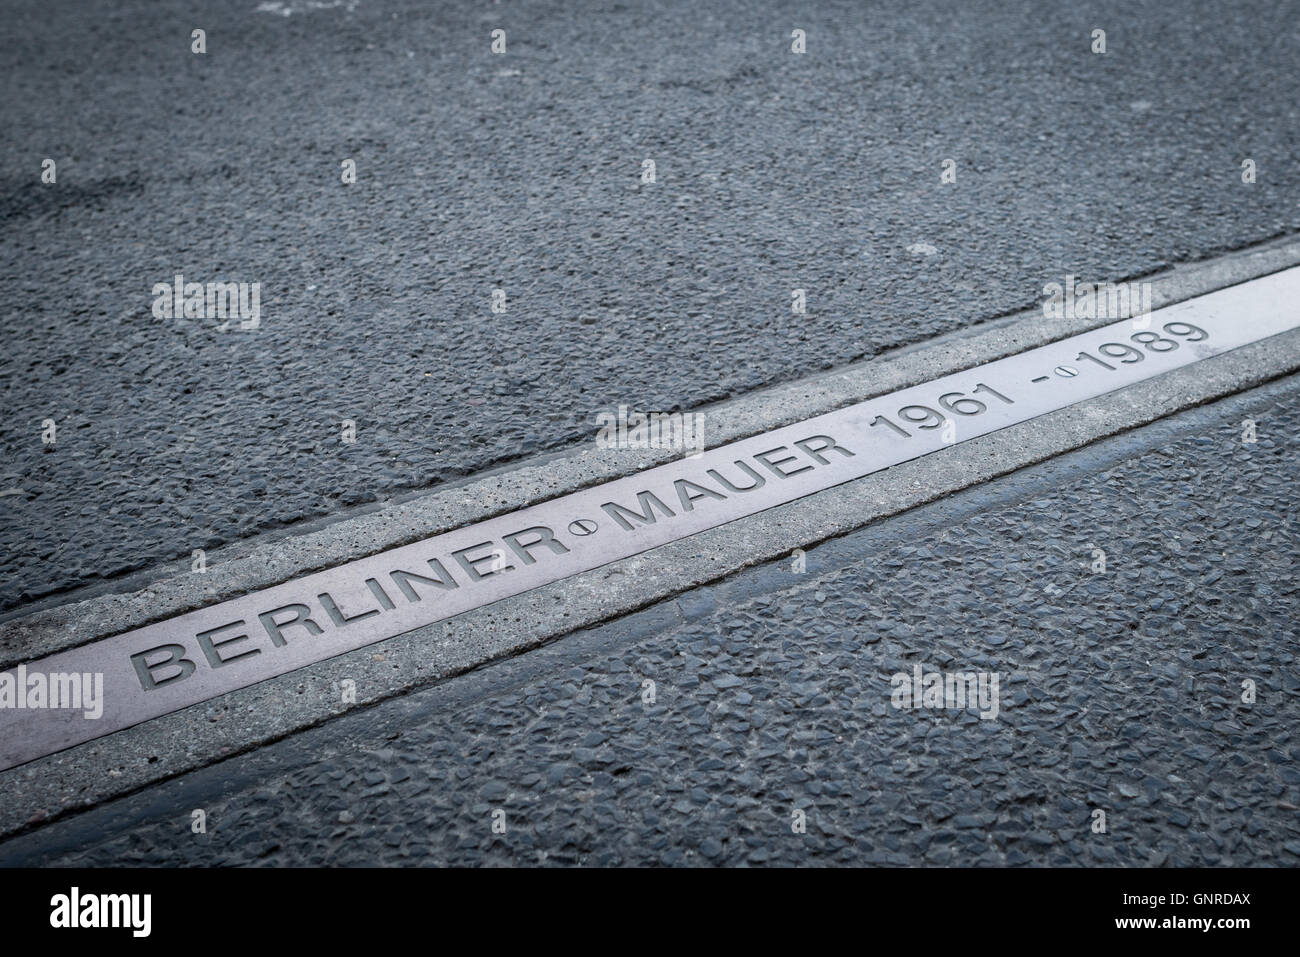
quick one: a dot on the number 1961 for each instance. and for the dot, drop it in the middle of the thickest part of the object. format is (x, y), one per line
(924, 417)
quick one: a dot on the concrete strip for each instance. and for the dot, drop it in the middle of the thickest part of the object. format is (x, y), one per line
(203, 654)
(199, 735)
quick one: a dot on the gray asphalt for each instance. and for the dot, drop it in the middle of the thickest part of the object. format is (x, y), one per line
(1121, 692)
(521, 171)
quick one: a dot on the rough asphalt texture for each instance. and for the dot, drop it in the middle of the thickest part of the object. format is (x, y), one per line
(522, 171)
(1121, 691)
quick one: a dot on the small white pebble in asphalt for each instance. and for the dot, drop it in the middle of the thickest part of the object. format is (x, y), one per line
(922, 249)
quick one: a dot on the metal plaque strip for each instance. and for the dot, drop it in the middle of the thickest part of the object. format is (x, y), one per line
(169, 665)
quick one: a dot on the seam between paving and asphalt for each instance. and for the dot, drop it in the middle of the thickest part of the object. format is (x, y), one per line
(268, 711)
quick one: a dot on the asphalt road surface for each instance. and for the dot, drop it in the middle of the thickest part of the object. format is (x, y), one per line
(523, 172)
